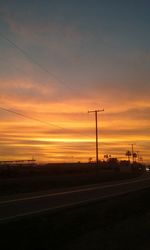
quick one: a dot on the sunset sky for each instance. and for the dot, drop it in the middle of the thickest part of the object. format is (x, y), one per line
(61, 58)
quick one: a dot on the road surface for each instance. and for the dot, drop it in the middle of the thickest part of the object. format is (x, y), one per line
(14, 208)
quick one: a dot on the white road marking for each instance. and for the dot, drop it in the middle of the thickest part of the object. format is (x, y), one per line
(73, 191)
(64, 206)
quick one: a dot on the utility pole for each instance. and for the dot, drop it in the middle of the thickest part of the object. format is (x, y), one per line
(132, 150)
(138, 155)
(96, 129)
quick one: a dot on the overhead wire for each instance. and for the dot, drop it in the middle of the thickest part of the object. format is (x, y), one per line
(31, 118)
(12, 43)
(38, 120)
(31, 59)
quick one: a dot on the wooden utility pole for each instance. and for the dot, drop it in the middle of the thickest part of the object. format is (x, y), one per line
(96, 129)
(132, 151)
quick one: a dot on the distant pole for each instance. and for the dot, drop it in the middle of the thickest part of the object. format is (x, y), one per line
(132, 150)
(96, 130)
(138, 155)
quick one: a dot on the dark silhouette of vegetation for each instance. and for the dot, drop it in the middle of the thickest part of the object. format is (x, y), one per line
(128, 154)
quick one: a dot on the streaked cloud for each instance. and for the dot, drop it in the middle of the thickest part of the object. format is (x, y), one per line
(82, 59)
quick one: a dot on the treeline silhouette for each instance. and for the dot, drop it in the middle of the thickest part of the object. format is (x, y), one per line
(23, 170)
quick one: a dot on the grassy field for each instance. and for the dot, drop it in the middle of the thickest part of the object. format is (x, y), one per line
(17, 181)
(119, 223)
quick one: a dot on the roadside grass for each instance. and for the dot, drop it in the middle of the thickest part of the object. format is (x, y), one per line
(49, 181)
(118, 223)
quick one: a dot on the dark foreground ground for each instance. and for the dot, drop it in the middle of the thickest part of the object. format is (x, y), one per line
(117, 223)
(17, 181)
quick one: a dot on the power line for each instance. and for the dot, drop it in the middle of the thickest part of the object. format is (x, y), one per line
(132, 150)
(34, 61)
(38, 120)
(31, 59)
(31, 118)
(13, 44)
(41, 121)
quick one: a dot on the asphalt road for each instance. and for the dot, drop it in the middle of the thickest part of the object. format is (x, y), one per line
(15, 207)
